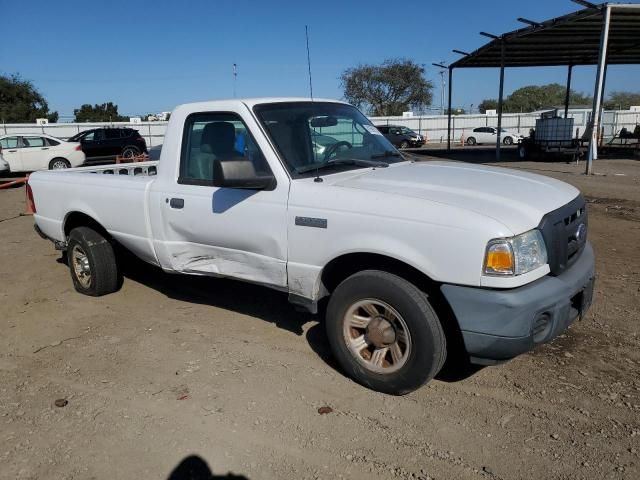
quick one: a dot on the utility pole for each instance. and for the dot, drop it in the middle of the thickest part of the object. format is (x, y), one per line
(235, 78)
(442, 82)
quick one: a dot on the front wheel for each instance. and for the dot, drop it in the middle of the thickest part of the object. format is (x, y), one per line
(92, 263)
(384, 333)
(508, 140)
(59, 164)
(404, 144)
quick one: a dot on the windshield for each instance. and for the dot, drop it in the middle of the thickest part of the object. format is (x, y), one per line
(76, 137)
(333, 136)
(407, 131)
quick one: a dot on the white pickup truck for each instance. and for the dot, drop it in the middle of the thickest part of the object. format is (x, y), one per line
(415, 260)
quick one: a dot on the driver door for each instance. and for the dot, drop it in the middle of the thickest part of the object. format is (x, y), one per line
(208, 230)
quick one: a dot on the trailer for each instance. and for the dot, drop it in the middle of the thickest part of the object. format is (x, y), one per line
(553, 136)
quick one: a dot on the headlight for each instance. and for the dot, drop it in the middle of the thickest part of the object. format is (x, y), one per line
(516, 255)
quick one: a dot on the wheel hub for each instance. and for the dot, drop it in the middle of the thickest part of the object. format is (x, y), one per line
(377, 336)
(81, 266)
(380, 332)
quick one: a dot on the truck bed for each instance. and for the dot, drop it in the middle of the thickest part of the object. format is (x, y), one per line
(116, 196)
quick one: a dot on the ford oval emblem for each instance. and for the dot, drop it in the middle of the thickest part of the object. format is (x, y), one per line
(581, 233)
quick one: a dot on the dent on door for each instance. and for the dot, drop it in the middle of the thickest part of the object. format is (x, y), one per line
(232, 238)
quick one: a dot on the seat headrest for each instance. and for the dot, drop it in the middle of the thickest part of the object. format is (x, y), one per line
(218, 138)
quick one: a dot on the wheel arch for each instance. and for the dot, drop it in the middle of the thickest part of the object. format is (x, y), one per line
(58, 157)
(77, 218)
(345, 265)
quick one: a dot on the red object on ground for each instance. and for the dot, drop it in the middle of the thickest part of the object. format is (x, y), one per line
(31, 204)
(11, 183)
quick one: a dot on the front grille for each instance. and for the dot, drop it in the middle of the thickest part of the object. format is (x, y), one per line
(565, 234)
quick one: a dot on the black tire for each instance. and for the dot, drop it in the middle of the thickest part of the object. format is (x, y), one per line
(59, 164)
(130, 151)
(99, 258)
(404, 144)
(471, 141)
(421, 361)
(508, 141)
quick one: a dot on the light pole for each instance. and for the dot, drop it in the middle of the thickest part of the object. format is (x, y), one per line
(442, 71)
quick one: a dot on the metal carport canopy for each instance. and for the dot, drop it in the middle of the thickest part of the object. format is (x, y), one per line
(605, 34)
(572, 39)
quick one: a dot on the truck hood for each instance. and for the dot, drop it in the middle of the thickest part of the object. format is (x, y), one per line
(516, 199)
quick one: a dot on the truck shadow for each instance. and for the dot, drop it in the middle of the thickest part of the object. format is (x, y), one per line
(194, 467)
(273, 306)
(241, 297)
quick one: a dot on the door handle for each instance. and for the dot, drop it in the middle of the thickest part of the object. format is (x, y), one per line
(44, 148)
(176, 203)
(12, 151)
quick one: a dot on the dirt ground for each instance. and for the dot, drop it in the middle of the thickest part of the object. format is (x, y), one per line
(209, 376)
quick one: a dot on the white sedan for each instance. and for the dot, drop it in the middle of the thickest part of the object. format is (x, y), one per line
(489, 134)
(26, 153)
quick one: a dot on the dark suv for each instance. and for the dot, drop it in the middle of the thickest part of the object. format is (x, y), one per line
(402, 137)
(109, 142)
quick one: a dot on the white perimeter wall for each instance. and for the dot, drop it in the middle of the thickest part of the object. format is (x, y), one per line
(434, 127)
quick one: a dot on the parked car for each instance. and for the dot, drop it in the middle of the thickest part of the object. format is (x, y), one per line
(27, 153)
(401, 137)
(489, 134)
(109, 142)
(418, 260)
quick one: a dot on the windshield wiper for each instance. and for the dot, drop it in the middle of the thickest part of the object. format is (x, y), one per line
(342, 161)
(386, 154)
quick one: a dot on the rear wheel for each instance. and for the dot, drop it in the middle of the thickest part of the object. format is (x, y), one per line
(384, 333)
(92, 263)
(471, 141)
(130, 152)
(59, 164)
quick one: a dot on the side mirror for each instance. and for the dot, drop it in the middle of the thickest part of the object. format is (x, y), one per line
(240, 174)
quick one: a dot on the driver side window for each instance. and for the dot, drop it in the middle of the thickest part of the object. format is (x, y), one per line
(216, 136)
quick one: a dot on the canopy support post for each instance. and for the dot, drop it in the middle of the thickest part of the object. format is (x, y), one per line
(597, 94)
(500, 98)
(449, 109)
(567, 96)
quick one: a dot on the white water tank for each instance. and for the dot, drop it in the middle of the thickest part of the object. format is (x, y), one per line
(554, 131)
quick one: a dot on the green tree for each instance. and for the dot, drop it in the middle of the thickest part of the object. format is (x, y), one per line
(395, 86)
(21, 102)
(535, 97)
(488, 104)
(622, 100)
(105, 112)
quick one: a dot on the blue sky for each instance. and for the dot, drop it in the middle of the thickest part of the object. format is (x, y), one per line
(149, 56)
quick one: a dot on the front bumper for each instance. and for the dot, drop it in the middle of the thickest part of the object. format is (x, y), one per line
(498, 325)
